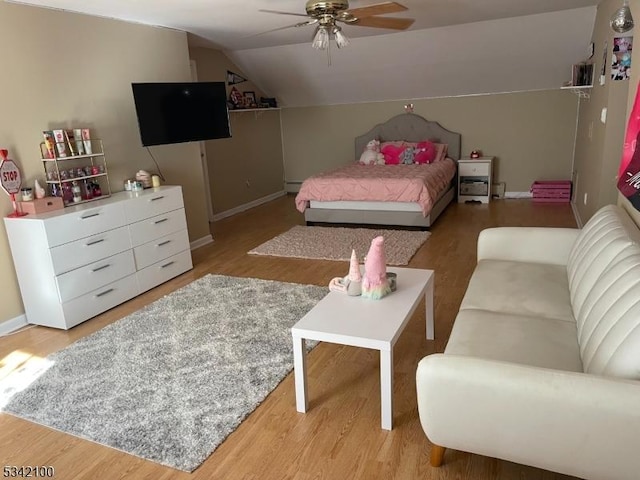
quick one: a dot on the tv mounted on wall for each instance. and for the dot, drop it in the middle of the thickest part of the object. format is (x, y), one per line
(181, 112)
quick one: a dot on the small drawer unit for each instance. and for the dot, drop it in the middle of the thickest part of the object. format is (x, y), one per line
(474, 179)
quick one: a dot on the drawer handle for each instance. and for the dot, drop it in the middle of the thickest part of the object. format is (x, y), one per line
(160, 221)
(89, 216)
(167, 264)
(101, 268)
(101, 294)
(95, 242)
(164, 243)
(157, 198)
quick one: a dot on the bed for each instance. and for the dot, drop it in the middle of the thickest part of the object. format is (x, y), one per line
(416, 213)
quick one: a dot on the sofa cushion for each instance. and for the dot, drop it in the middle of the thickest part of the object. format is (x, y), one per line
(520, 288)
(609, 320)
(605, 236)
(524, 339)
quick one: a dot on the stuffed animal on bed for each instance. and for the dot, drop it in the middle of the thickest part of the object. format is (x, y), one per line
(408, 155)
(371, 154)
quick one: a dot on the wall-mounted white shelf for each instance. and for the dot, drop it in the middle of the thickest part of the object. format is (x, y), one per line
(256, 111)
(581, 91)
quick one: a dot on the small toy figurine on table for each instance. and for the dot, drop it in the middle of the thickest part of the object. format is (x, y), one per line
(475, 154)
(352, 283)
(375, 283)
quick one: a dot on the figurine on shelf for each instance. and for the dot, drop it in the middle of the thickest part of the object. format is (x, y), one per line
(352, 283)
(375, 283)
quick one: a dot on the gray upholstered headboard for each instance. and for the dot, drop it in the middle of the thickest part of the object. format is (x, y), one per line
(412, 128)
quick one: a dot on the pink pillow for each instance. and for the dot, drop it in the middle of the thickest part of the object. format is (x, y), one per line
(425, 152)
(391, 153)
(441, 152)
(395, 143)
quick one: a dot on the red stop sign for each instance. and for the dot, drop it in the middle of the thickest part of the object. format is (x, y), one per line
(10, 177)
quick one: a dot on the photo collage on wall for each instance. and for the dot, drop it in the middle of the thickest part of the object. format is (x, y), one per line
(621, 58)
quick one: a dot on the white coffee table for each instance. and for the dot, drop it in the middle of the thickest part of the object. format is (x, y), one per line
(362, 322)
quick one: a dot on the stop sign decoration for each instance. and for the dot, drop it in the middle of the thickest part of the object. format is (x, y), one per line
(10, 177)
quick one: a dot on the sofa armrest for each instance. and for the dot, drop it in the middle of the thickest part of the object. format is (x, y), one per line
(573, 423)
(527, 244)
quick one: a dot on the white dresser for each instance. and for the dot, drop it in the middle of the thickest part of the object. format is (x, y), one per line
(75, 263)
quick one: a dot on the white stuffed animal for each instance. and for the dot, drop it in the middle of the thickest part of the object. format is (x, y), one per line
(372, 154)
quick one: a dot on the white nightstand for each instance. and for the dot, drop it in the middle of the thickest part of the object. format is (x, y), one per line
(474, 179)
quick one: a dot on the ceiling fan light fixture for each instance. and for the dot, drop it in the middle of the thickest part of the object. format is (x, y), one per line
(341, 39)
(321, 38)
(622, 21)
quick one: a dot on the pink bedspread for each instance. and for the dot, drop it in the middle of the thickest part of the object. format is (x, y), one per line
(422, 184)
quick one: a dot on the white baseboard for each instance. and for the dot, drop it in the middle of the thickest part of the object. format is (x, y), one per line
(292, 187)
(518, 195)
(201, 242)
(576, 215)
(247, 206)
(13, 324)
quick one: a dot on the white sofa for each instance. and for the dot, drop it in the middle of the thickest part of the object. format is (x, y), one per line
(542, 366)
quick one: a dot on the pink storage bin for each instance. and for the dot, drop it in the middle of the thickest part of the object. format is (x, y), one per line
(551, 191)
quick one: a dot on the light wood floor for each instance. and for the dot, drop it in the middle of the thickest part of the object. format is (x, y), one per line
(340, 436)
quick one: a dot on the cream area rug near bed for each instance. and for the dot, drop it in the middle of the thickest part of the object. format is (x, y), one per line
(170, 382)
(336, 243)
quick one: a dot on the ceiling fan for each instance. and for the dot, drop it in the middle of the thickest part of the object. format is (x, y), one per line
(327, 14)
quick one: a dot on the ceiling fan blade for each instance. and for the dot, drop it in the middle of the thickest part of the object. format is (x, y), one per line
(295, 25)
(385, 22)
(284, 13)
(378, 9)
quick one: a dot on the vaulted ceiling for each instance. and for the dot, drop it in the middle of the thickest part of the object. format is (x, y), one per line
(454, 47)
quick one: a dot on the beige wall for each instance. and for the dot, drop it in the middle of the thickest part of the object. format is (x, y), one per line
(249, 165)
(531, 134)
(634, 83)
(598, 157)
(62, 70)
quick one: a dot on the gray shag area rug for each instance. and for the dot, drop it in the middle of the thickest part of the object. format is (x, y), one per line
(336, 243)
(170, 382)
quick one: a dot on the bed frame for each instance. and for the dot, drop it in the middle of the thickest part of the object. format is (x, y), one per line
(409, 127)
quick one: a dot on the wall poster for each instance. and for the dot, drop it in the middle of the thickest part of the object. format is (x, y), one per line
(621, 58)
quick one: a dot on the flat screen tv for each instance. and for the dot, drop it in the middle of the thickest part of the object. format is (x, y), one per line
(181, 112)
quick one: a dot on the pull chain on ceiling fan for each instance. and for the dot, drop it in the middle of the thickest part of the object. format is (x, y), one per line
(327, 15)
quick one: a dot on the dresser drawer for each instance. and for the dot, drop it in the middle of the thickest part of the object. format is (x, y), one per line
(93, 303)
(83, 223)
(152, 228)
(471, 169)
(91, 249)
(164, 270)
(161, 248)
(153, 203)
(95, 275)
